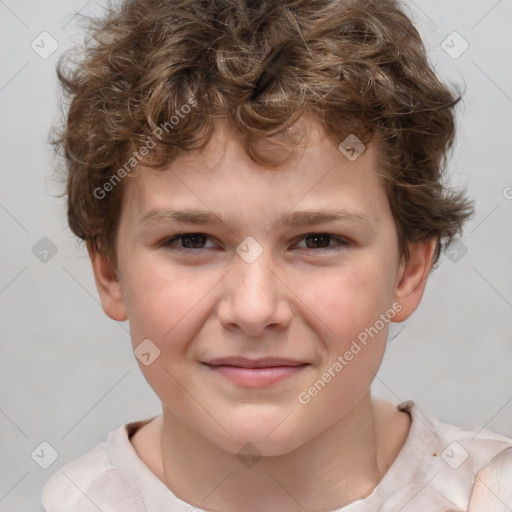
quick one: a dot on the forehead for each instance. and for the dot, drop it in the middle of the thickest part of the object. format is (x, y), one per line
(221, 177)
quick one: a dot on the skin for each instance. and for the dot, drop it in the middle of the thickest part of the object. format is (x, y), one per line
(295, 300)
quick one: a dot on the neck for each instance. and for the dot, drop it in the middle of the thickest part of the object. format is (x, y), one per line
(342, 464)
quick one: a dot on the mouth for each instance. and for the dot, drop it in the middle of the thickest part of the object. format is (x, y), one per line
(255, 373)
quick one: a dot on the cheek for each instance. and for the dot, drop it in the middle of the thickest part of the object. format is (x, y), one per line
(163, 302)
(350, 303)
(348, 299)
(168, 307)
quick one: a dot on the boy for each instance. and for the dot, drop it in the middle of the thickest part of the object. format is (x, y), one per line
(259, 188)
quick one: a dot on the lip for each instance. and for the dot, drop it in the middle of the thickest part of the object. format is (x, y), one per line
(255, 373)
(263, 362)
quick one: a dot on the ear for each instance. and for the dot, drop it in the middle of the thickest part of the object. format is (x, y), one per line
(412, 277)
(108, 284)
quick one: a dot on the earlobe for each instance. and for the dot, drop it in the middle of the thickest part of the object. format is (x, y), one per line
(108, 284)
(412, 277)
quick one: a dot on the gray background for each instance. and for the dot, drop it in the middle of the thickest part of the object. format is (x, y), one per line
(68, 374)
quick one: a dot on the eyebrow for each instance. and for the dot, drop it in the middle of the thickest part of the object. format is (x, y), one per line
(297, 218)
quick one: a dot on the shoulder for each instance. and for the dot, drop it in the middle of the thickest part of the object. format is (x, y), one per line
(77, 482)
(91, 481)
(492, 491)
(449, 462)
(457, 445)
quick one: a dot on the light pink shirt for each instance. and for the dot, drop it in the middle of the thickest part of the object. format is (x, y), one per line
(435, 471)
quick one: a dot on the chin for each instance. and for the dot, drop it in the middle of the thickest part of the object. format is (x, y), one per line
(261, 434)
(244, 446)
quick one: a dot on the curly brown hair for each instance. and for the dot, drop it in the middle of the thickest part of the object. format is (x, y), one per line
(355, 66)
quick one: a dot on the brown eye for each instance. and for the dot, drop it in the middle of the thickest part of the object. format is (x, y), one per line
(186, 242)
(318, 241)
(323, 241)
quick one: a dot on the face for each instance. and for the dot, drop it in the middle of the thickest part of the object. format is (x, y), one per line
(256, 275)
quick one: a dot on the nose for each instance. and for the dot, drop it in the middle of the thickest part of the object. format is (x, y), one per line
(255, 298)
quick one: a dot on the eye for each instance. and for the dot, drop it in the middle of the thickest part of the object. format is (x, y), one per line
(186, 242)
(321, 241)
(194, 242)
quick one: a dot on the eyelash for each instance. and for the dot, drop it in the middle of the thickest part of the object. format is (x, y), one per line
(169, 243)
